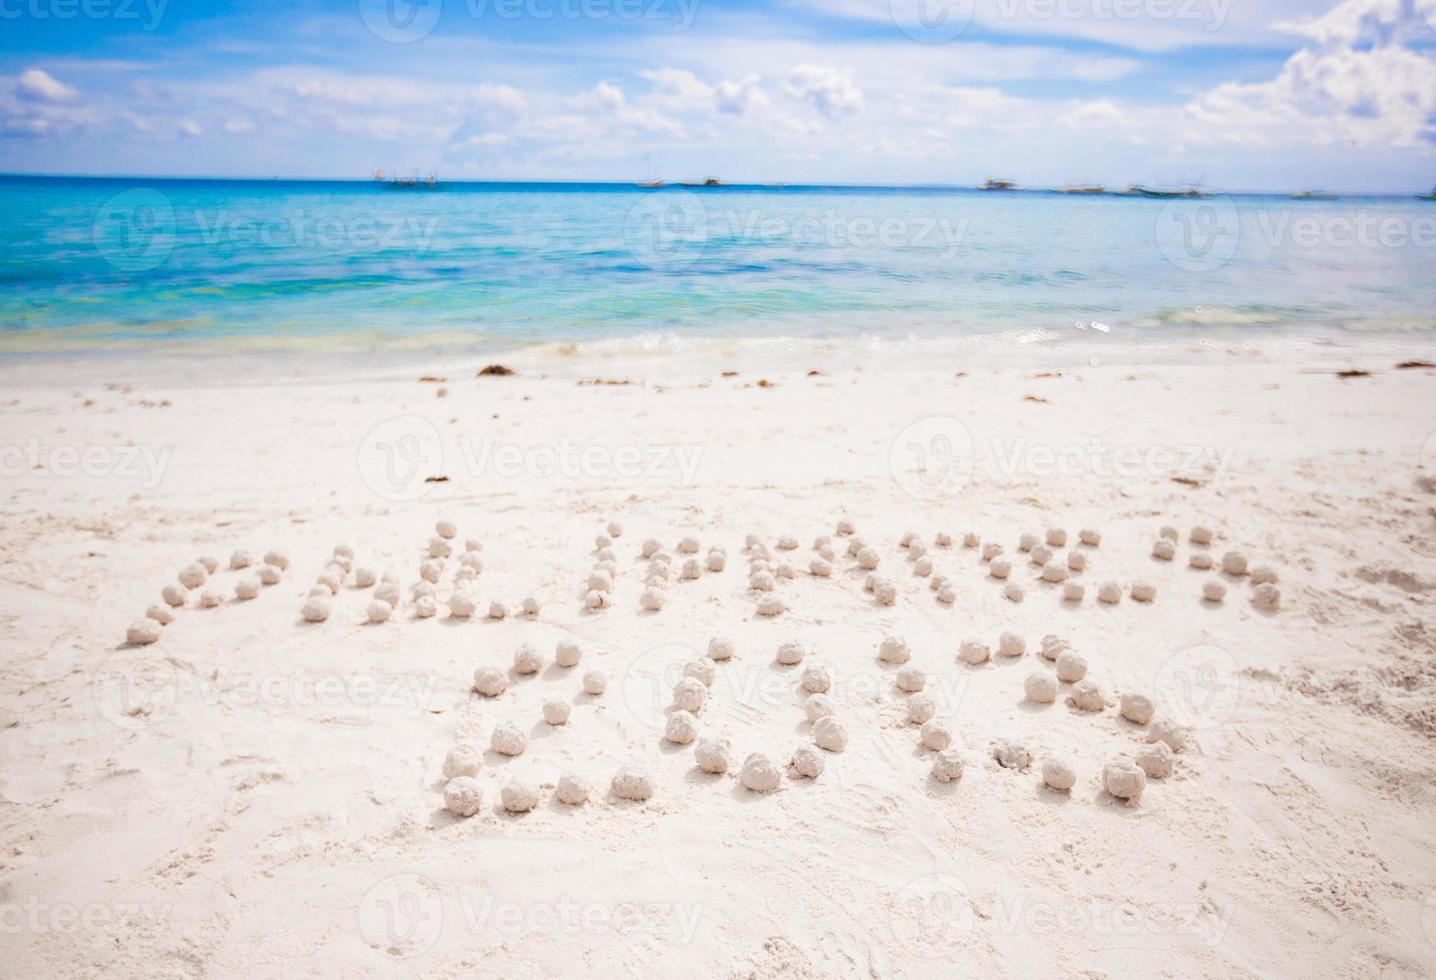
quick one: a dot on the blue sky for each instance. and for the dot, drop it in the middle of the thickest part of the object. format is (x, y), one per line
(1261, 94)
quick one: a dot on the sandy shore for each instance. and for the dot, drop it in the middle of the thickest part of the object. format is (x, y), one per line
(253, 794)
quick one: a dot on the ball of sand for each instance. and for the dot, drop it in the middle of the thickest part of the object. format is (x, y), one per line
(439, 548)
(1056, 537)
(1109, 592)
(815, 679)
(652, 599)
(508, 739)
(527, 660)
(1054, 571)
(868, 559)
(600, 581)
(762, 581)
(829, 734)
(1201, 535)
(820, 568)
(713, 755)
(210, 598)
(973, 651)
(1000, 568)
(1040, 555)
(942, 539)
(650, 548)
(1073, 591)
(920, 709)
(463, 797)
(632, 784)
(1071, 667)
(1013, 592)
(1076, 561)
(472, 560)
(316, 610)
(787, 542)
(681, 728)
(771, 605)
(807, 762)
(717, 561)
(946, 595)
(247, 587)
(922, 567)
(593, 599)
(389, 592)
(341, 566)
(1200, 560)
(240, 559)
(431, 571)
(462, 605)
(572, 789)
(490, 682)
(691, 570)
(818, 706)
(498, 610)
(827, 553)
(556, 712)
(268, 574)
(1058, 774)
(759, 774)
(142, 632)
(1086, 696)
(1162, 730)
(991, 550)
(1214, 591)
(379, 611)
(567, 653)
(893, 650)
(936, 735)
(1090, 537)
(1266, 597)
(343, 551)
(174, 595)
(689, 694)
(720, 648)
(1027, 541)
(1234, 563)
(1052, 646)
(160, 614)
(1011, 644)
(1263, 575)
(845, 527)
(614, 529)
(1123, 779)
(211, 563)
(1156, 760)
(595, 682)
(530, 606)
(911, 680)
(422, 588)
(971, 539)
(947, 766)
(1163, 549)
(602, 542)
(1040, 688)
(908, 538)
(790, 653)
(1143, 591)
(425, 607)
(1137, 708)
(1011, 754)
(192, 576)
(518, 796)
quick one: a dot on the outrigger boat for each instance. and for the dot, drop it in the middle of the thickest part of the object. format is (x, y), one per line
(1082, 189)
(997, 184)
(1313, 196)
(1166, 194)
(705, 182)
(1427, 197)
(428, 183)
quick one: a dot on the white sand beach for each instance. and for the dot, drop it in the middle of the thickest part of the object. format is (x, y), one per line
(254, 794)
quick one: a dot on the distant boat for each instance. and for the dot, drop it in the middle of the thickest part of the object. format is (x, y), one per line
(1163, 193)
(998, 184)
(705, 182)
(1427, 197)
(429, 183)
(649, 180)
(1082, 189)
(650, 183)
(1313, 196)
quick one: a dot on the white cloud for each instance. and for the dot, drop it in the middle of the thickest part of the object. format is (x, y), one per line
(37, 85)
(828, 89)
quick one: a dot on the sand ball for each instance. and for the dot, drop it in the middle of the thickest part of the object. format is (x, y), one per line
(472, 560)
(518, 796)
(689, 694)
(1013, 592)
(868, 559)
(971, 539)
(936, 583)
(1263, 575)
(829, 734)
(463, 760)
(593, 599)
(240, 559)
(1027, 541)
(908, 538)
(527, 660)
(462, 605)
(650, 548)
(247, 587)
(341, 566)
(1040, 688)
(991, 550)
(211, 563)
(379, 611)
(759, 774)
(572, 789)
(1058, 774)
(343, 551)
(815, 679)
(1089, 537)
(498, 610)
(1137, 708)
(1076, 561)
(595, 682)
(1011, 644)
(1011, 754)
(702, 669)
(316, 610)
(791, 653)
(916, 550)
(717, 561)
(142, 632)
(602, 542)
(530, 606)
(943, 539)
(1000, 568)
(267, 574)
(1056, 537)
(691, 570)
(1214, 591)
(192, 576)
(1156, 760)
(974, 651)
(759, 566)
(567, 653)
(1071, 667)
(1234, 563)
(388, 592)
(632, 784)
(1073, 591)
(771, 605)
(174, 594)
(818, 706)
(508, 739)
(947, 766)
(446, 529)
(936, 735)
(1266, 597)
(1109, 592)
(1054, 571)
(911, 680)
(1163, 549)
(785, 570)
(556, 712)
(720, 648)
(439, 548)
(1201, 535)
(1086, 696)
(807, 762)
(160, 614)
(599, 581)
(893, 650)
(759, 552)
(688, 546)
(431, 570)
(787, 543)
(425, 607)
(1162, 730)
(946, 595)
(1052, 646)
(1123, 779)
(845, 527)
(1041, 555)
(652, 599)
(1143, 591)
(422, 588)
(886, 593)
(490, 682)
(920, 709)
(820, 568)
(922, 567)
(1200, 560)
(210, 598)
(614, 529)
(463, 797)
(681, 728)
